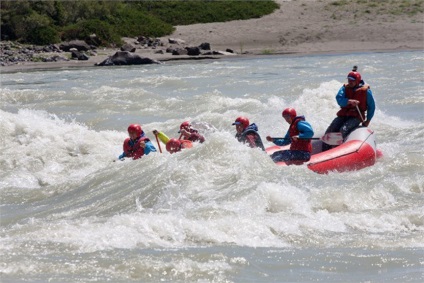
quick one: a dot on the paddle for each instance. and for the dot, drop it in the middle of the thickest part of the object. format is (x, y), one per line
(360, 114)
(329, 138)
(157, 140)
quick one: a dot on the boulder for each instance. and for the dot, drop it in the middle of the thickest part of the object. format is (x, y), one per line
(128, 47)
(175, 41)
(170, 49)
(80, 45)
(193, 51)
(76, 55)
(205, 46)
(126, 58)
(179, 51)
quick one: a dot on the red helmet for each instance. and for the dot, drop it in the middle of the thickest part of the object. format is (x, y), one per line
(289, 112)
(185, 125)
(173, 145)
(354, 76)
(135, 128)
(242, 121)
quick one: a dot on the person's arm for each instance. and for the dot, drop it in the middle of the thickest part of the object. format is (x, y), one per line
(149, 147)
(185, 135)
(370, 108)
(139, 152)
(341, 97)
(342, 100)
(305, 129)
(284, 141)
(145, 147)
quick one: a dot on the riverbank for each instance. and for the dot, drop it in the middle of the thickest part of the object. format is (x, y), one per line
(297, 27)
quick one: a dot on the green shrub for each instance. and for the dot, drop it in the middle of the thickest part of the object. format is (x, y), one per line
(194, 11)
(339, 3)
(28, 20)
(44, 36)
(132, 22)
(105, 33)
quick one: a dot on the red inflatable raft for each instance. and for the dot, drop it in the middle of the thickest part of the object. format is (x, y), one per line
(358, 151)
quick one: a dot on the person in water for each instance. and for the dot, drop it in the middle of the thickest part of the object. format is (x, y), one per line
(298, 136)
(355, 99)
(172, 145)
(137, 144)
(176, 145)
(188, 133)
(248, 133)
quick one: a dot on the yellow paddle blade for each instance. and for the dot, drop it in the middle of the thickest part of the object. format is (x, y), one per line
(163, 138)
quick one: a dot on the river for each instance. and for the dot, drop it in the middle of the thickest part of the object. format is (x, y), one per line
(219, 212)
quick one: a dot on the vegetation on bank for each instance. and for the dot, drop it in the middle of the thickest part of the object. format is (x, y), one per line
(46, 22)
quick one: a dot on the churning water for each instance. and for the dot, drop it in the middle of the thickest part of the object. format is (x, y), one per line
(219, 212)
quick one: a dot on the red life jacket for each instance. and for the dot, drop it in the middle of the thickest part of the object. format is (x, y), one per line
(133, 149)
(186, 143)
(359, 94)
(300, 144)
(254, 141)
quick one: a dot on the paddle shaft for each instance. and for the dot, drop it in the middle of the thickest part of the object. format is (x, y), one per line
(360, 114)
(328, 138)
(157, 140)
(299, 138)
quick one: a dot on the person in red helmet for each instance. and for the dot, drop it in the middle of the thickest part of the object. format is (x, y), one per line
(175, 145)
(137, 144)
(172, 145)
(248, 133)
(188, 133)
(355, 99)
(298, 136)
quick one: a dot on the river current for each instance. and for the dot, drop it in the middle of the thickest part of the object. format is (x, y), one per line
(219, 212)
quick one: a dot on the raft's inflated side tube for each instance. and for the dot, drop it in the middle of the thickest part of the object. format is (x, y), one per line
(357, 152)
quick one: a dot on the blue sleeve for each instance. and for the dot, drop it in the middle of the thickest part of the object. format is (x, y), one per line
(149, 148)
(121, 156)
(341, 97)
(285, 141)
(305, 130)
(370, 105)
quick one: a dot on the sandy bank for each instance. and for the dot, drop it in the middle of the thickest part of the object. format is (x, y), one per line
(298, 27)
